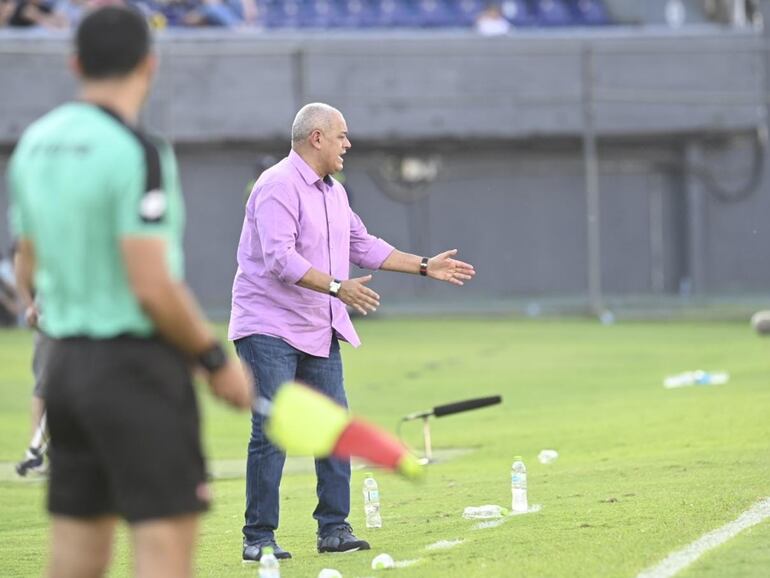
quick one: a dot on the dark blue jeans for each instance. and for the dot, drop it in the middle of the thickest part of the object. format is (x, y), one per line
(273, 362)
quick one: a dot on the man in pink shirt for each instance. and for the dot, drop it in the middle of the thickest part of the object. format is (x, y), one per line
(289, 309)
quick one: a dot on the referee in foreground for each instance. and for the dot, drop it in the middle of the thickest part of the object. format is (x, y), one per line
(97, 208)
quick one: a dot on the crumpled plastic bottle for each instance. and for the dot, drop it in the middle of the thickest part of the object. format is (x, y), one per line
(697, 377)
(547, 456)
(485, 512)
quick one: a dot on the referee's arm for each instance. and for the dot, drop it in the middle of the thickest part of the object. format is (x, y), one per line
(176, 315)
(24, 270)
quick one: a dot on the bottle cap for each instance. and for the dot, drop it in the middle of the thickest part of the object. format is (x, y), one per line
(267, 550)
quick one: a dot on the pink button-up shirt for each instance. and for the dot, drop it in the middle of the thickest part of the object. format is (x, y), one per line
(294, 221)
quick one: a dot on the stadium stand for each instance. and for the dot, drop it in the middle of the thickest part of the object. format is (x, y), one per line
(425, 13)
(330, 14)
(383, 14)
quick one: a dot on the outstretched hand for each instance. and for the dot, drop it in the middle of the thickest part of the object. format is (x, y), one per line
(355, 293)
(445, 268)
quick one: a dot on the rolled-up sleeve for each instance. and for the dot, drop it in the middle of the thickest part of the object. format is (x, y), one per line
(366, 251)
(276, 216)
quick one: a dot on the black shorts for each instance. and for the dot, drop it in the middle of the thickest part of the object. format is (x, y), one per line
(40, 363)
(124, 427)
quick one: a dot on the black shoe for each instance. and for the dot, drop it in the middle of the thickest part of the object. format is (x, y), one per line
(253, 552)
(341, 539)
(33, 462)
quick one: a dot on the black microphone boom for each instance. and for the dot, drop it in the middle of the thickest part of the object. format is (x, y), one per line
(441, 411)
(468, 404)
(456, 407)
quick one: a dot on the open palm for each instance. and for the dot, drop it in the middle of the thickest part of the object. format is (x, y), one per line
(445, 267)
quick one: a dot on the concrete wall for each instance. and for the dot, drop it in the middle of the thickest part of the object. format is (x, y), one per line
(504, 116)
(406, 86)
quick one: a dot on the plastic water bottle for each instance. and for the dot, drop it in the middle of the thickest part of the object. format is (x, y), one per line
(519, 503)
(372, 502)
(697, 377)
(268, 564)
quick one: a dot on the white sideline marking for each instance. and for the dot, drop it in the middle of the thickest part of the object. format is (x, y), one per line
(680, 559)
(443, 544)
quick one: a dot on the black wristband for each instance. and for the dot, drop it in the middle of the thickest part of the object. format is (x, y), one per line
(213, 358)
(424, 267)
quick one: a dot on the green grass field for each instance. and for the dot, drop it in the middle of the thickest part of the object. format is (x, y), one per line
(642, 470)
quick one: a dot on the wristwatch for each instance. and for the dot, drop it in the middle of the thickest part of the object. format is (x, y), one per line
(213, 358)
(334, 287)
(424, 266)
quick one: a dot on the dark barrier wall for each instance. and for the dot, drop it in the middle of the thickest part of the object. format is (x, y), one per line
(518, 213)
(503, 120)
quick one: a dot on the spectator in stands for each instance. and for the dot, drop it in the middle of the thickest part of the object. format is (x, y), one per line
(227, 13)
(36, 13)
(74, 10)
(491, 22)
(165, 13)
(6, 10)
(191, 13)
(246, 10)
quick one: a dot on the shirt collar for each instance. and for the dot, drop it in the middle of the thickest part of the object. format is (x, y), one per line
(308, 174)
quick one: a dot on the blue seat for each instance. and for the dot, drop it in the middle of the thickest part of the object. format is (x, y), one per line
(319, 14)
(436, 14)
(357, 13)
(286, 14)
(426, 13)
(553, 13)
(589, 12)
(398, 14)
(466, 11)
(370, 15)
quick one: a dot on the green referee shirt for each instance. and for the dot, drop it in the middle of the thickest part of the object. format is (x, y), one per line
(80, 180)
